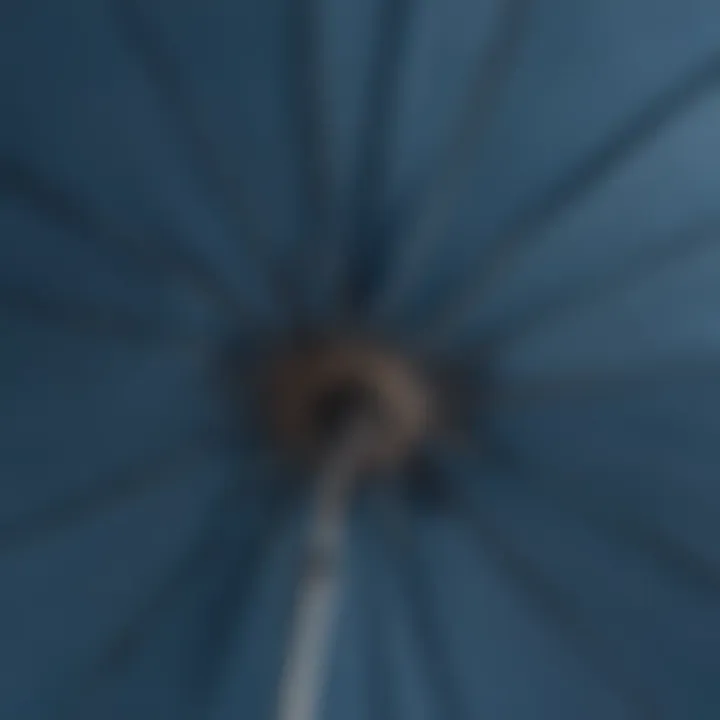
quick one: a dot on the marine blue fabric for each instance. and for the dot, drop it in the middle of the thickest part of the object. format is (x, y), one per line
(183, 185)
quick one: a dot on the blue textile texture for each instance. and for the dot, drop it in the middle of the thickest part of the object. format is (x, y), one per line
(525, 193)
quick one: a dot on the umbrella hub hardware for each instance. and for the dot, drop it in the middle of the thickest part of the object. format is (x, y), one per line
(318, 391)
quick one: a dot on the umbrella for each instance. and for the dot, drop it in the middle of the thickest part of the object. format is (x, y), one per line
(514, 204)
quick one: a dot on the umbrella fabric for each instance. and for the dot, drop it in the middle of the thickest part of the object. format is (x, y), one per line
(524, 192)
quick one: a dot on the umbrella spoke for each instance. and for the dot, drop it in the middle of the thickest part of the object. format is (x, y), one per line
(428, 224)
(550, 601)
(57, 206)
(23, 183)
(671, 252)
(83, 320)
(378, 124)
(310, 108)
(141, 624)
(416, 594)
(237, 595)
(129, 640)
(144, 41)
(601, 383)
(378, 668)
(311, 123)
(666, 551)
(379, 119)
(625, 142)
(151, 472)
(669, 553)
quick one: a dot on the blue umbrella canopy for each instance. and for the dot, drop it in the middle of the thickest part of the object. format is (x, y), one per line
(520, 196)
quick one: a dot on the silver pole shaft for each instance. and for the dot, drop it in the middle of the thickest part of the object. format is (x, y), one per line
(306, 663)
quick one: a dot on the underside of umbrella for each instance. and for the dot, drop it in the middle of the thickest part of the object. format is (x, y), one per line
(515, 199)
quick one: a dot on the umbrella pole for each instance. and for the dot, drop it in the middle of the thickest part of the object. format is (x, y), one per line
(310, 645)
(363, 408)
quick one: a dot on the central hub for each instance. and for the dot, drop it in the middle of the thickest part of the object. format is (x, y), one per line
(319, 391)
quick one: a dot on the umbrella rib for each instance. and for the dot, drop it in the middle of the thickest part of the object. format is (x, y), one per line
(382, 105)
(59, 207)
(81, 319)
(129, 639)
(425, 627)
(602, 383)
(136, 630)
(558, 608)
(238, 595)
(629, 138)
(668, 553)
(377, 668)
(309, 107)
(21, 182)
(149, 473)
(428, 223)
(379, 120)
(142, 39)
(673, 250)
(25, 184)
(311, 123)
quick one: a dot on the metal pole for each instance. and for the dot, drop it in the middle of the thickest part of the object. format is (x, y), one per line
(306, 663)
